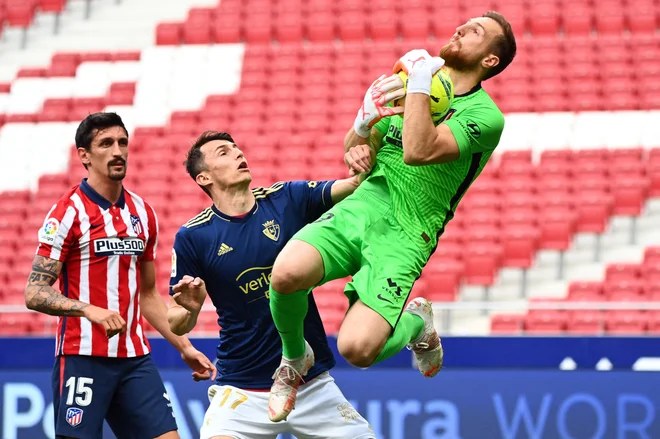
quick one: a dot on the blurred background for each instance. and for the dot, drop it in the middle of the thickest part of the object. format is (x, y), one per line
(552, 262)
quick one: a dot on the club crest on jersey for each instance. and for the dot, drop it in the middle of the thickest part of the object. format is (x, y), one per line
(118, 247)
(137, 224)
(272, 230)
(74, 416)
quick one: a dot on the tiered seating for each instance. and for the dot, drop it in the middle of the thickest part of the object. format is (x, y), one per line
(261, 21)
(517, 208)
(579, 72)
(20, 13)
(74, 85)
(328, 53)
(623, 283)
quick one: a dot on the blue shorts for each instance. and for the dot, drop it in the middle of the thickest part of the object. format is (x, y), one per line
(127, 392)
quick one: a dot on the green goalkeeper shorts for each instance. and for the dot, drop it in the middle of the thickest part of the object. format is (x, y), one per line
(360, 237)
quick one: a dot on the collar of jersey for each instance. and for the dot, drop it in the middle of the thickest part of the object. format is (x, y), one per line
(475, 89)
(98, 198)
(235, 219)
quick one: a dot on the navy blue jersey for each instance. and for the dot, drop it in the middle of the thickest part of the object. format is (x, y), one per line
(235, 257)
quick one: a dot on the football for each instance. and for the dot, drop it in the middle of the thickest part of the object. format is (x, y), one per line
(442, 94)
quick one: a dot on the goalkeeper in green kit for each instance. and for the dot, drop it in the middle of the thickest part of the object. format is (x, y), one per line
(383, 234)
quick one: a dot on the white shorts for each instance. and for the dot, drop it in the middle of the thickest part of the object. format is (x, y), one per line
(322, 412)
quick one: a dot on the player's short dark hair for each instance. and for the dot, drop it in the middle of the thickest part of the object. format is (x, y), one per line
(92, 124)
(503, 46)
(195, 158)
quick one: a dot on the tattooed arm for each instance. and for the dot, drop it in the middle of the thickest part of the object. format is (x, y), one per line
(40, 294)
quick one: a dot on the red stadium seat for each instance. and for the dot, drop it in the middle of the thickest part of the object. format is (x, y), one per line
(320, 27)
(630, 195)
(626, 322)
(519, 246)
(594, 210)
(642, 22)
(585, 323)
(585, 291)
(383, 26)
(289, 29)
(545, 322)
(556, 233)
(619, 272)
(507, 324)
(197, 32)
(610, 23)
(353, 27)
(623, 288)
(652, 255)
(481, 264)
(168, 34)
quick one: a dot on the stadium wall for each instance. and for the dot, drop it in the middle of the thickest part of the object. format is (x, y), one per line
(493, 387)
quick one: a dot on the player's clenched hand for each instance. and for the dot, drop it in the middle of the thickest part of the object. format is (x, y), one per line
(112, 322)
(420, 68)
(360, 159)
(374, 105)
(409, 60)
(201, 366)
(190, 293)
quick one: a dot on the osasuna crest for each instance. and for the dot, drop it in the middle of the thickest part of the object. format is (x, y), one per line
(272, 230)
(137, 224)
(74, 416)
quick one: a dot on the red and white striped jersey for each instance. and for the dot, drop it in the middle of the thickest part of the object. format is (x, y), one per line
(101, 246)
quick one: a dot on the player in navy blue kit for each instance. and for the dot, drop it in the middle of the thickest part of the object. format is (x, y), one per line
(227, 252)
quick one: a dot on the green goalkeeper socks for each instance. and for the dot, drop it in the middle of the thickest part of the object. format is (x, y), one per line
(289, 311)
(408, 329)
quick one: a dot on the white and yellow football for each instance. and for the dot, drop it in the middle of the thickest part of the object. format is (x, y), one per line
(442, 94)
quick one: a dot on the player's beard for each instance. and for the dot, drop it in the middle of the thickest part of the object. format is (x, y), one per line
(456, 59)
(116, 175)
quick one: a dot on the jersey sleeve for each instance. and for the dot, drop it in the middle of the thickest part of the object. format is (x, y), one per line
(477, 129)
(312, 197)
(56, 235)
(152, 241)
(184, 258)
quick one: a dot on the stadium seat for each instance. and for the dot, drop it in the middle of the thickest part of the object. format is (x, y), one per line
(545, 322)
(585, 291)
(506, 324)
(653, 322)
(585, 323)
(626, 322)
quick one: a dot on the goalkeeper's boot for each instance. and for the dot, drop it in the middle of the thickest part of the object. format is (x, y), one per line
(427, 346)
(287, 379)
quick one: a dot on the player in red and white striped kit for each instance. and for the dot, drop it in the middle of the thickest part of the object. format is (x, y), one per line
(100, 241)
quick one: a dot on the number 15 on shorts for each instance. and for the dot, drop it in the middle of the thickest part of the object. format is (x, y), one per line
(81, 391)
(237, 398)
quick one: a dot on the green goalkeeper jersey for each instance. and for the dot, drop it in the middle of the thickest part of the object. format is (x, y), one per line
(424, 198)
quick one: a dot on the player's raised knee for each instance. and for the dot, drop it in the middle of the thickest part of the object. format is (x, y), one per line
(358, 352)
(298, 267)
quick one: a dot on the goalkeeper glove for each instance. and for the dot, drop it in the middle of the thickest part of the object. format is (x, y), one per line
(420, 68)
(374, 106)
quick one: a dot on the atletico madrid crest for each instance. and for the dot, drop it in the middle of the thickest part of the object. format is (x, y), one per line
(74, 416)
(137, 224)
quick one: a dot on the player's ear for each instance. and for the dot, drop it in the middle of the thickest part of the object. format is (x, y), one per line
(83, 154)
(203, 179)
(490, 61)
